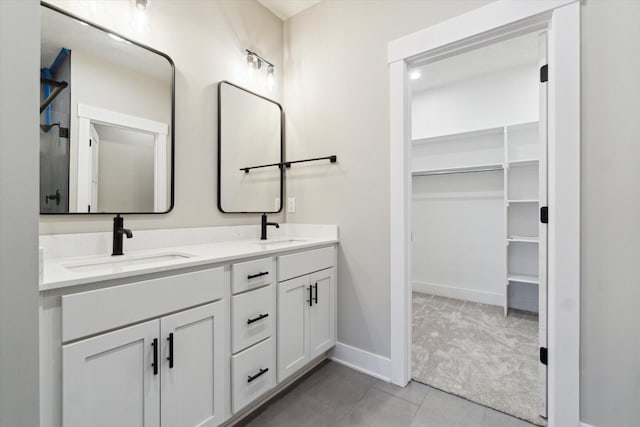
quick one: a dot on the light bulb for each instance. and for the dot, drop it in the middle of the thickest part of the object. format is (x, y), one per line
(271, 78)
(139, 19)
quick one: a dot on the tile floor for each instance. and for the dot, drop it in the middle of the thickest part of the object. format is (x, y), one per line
(334, 395)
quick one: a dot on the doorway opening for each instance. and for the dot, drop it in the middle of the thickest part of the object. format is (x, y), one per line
(478, 252)
(480, 27)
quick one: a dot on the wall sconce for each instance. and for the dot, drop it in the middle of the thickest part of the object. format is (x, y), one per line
(139, 20)
(254, 64)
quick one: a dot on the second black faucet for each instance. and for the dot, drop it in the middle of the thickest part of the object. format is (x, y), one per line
(118, 232)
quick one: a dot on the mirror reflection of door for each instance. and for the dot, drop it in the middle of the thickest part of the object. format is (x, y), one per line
(123, 169)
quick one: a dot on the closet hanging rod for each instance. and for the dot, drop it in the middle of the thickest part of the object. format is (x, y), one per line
(445, 172)
(332, 159)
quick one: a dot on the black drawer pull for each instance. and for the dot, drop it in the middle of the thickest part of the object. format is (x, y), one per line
(315, 299)
(154, 344)
(170, 358)
(253, 276)
(260, 373)
(310, 300)
(255, 319)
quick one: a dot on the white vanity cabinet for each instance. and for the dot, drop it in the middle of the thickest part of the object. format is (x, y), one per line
(108, 381)
(306, 308)
(184, 346)
(253, 319)
(168, 371)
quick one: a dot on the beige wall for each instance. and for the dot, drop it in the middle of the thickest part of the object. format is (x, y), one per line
(206, 40)
(610, 341)
(337, 102)
(19, 144)
(336, 97)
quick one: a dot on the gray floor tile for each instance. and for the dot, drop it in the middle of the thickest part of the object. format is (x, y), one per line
(414, 392)
(444, 410)
(303, 411)
(338, 396)
(498, 419)
(380, 409)
(340, 388)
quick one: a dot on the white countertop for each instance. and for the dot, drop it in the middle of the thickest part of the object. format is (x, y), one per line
(57, 275)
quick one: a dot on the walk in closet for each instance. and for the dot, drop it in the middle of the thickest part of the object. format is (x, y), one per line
(478, 248)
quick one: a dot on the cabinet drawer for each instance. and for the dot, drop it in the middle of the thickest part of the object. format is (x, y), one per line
(253, 317)
(252, 274)
(90, 312)
(253, 373)
(298, 264)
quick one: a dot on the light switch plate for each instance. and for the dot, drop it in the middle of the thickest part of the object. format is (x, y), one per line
(291, 204)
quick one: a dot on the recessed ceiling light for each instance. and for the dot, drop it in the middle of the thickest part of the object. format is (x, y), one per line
(415, 75)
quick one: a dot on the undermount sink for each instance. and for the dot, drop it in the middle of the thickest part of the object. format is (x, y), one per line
(111, 263)
(279, 241)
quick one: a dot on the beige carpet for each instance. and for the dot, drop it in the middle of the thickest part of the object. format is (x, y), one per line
(473, 351)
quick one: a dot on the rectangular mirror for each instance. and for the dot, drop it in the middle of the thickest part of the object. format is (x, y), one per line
(106, 121)
(250, 151)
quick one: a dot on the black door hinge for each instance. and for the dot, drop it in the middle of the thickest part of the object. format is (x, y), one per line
(543, 355)
(544, 73)
(544, 214)
(89, 142)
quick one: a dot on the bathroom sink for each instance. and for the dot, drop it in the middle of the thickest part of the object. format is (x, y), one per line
(277, 242)
(109, 263)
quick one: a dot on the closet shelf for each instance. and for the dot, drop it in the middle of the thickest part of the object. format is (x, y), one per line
(523, 278)
(522, 239)
(523, 162)
(458, 169)
(498, 130)
(523, 201)
(460, 135)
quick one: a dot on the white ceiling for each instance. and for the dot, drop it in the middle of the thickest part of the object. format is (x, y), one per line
(285, 9)
(499, 56)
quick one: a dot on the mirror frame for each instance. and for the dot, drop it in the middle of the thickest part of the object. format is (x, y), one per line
(173, 113)
(282, 143)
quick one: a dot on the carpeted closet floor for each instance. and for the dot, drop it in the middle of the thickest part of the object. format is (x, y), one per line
(472, 350)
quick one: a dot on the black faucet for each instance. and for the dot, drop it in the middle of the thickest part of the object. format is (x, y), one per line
(263, 232)
(118, 231)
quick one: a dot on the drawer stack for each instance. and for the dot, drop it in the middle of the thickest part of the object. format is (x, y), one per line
(253, 311)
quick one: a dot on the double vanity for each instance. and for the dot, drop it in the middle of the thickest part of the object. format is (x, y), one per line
(181, 327)
(191, 327)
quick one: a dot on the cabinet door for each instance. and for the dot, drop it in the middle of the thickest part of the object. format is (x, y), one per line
(322, 318)
(293, 346)
(193, 348)
(109, 380)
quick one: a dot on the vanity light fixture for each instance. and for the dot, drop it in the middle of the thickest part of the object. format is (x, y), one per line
(271, 77)
(255, 61)
(415, 75)
(139, 20)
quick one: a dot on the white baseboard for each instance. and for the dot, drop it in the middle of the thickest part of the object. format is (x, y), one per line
(363, 361)
(459, 293)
